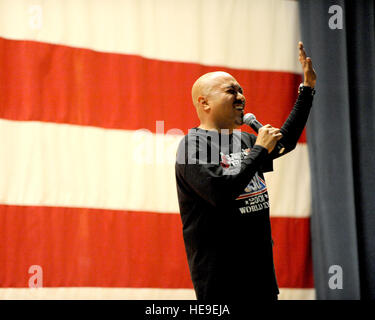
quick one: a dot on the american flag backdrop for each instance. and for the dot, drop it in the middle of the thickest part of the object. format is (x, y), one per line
(94, 98)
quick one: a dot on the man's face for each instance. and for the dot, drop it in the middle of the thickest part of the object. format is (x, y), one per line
(227, 102)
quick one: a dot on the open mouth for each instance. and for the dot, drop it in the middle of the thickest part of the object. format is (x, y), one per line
(239, 107)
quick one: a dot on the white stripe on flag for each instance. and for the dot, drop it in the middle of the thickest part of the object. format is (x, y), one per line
(48, 164)
(238, 34)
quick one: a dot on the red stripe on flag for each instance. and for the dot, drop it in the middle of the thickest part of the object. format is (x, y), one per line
(56, 83)
(292, 252)
(92, 247)
(78, 247)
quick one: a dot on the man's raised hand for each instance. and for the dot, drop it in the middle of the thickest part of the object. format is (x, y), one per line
(308, 70)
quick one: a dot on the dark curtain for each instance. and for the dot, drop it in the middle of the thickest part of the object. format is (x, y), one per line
(341, 140)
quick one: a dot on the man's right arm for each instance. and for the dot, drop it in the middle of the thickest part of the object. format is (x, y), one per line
(217, 184)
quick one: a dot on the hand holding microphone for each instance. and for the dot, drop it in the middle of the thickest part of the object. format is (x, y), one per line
(268, 136)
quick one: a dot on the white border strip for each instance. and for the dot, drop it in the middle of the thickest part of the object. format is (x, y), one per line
(85, 293)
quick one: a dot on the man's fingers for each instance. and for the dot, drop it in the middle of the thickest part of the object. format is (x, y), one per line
(302, 53)
(278, 136)
(274, 130)
(271, 129)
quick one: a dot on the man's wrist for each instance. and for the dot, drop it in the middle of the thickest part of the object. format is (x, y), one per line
(307, 84)
(306, 88)
(260, 148)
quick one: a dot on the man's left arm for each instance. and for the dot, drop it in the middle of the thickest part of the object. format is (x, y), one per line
(296, 121)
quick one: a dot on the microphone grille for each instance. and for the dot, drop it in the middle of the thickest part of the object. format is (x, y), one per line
(248, 118)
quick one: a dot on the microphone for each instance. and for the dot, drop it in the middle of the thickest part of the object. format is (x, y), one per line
(252, 121)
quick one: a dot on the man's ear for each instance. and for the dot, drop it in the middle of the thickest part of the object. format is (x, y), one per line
(203, 103)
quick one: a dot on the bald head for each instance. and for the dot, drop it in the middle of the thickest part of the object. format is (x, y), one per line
(204, 84)
(219, 100)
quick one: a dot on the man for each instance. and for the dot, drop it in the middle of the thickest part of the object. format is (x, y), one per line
(221, 190)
